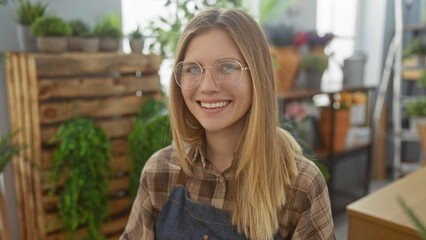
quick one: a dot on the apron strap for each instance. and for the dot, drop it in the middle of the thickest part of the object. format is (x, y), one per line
(181, 178)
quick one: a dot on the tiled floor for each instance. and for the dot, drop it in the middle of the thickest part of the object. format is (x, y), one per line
(341, 220)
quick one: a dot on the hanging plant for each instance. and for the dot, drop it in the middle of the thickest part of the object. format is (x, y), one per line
(151, 133)
(82, 155)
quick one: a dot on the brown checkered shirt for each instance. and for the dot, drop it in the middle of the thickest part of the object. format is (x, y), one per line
(306, 215)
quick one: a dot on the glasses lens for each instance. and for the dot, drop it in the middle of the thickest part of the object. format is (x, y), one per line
(228, 73)
(187, 74)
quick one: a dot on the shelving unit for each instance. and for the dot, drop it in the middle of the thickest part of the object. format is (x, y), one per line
(403, 75)
(332, 159)
(44, 90)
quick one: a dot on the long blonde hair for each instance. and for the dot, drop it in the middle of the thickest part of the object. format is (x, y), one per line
(265, 153)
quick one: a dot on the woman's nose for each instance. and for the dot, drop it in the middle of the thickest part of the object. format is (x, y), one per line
(208, 82)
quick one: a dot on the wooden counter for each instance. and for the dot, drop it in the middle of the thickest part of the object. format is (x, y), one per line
(380, 216)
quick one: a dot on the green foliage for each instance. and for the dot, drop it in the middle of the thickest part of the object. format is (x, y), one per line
(415, 46)
(136, 34)
(8, 149)
(27, 12)
(50, 25)
(109, 26)
(314, 63)
(417, 108)
(79, 28)
(421, 229)
(289, 125)
(151, 133)
(271, 9)
(421, 82)
(167, 30)
(82, 156)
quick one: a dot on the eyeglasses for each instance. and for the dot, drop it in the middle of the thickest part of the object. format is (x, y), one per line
(227, 73)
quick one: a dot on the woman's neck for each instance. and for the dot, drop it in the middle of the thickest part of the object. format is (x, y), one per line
(220, 148)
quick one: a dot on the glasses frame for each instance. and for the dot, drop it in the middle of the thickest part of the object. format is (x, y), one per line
(214, 75)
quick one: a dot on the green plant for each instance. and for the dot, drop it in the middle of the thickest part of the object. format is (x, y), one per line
(417, 108)
(81, 160)
(8, 149)
(314, 63)
(421, 229)
(415, 46)
(271, 9)
(166, 30)
(421, 82)
(136, 34)
(27, 12)
(79, 28)
(151, 133)
(109, 26)
(50, 25)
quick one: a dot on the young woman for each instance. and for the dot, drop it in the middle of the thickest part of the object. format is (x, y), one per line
(231, 172)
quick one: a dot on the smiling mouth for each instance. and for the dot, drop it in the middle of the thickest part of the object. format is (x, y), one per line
(213, 105)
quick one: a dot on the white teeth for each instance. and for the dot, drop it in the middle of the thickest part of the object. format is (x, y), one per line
(214, 105)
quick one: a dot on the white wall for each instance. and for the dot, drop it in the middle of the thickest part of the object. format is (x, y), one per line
(86, 10)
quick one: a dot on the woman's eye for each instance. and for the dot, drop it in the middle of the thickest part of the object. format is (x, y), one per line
(228, 68)
(192, 69)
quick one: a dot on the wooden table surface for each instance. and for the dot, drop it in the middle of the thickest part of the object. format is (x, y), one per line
(380, 216)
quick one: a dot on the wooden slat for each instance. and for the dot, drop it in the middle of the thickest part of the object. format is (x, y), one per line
(119, 152)
(113, 106)
(68, 64)
(114, 128)
(25, 101)
(97, 86)
(412, 74)
(115, 206)
(34, 111)
(111, 227)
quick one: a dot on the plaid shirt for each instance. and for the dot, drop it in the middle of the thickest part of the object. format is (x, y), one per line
(306, 215)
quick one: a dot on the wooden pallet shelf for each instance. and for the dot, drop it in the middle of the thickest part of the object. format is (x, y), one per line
(45, 90)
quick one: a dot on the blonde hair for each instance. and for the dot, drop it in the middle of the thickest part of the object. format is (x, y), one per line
(265, 153)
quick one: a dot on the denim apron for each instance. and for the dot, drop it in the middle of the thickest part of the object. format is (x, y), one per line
(182, 218)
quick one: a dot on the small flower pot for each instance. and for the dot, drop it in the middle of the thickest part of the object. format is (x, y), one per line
(108, 45)
(90, 44)
(74, 44)
(136, 45)
(52, 44)
(26, 41)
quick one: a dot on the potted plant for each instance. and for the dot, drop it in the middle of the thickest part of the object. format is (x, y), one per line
(52, 33)
(108, 30)
(286, 56)
(136, 41)
(421, 81)
(416, 48)
(78, 30)
(26, 14)
(312, 68)
(416, 110)
(89, 42)
(81, 162)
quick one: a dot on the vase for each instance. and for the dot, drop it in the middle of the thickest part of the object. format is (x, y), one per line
(90, 44)
(26, 41)
(309, 80)
(108, 44)
(287, 66)
(136, 45)
(340, 128)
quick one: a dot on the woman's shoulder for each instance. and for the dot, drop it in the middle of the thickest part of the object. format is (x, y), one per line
(165, 159)
(309, 179)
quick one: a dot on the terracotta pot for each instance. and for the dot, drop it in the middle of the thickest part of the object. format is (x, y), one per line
(288, 60)
(52, 44)
(108, 45)
(341, 126)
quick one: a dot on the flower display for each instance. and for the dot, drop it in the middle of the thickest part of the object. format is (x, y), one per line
(298, 111)
(345, 100)
(279, 34)
(312, 38)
